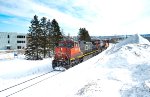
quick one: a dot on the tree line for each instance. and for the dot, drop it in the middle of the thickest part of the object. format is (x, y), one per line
(44, 36)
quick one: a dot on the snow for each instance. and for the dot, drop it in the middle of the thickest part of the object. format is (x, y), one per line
(15, 70)
(136, 39)
(18, 68)
(123, 70)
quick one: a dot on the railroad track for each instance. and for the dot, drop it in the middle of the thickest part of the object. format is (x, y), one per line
(7, 92)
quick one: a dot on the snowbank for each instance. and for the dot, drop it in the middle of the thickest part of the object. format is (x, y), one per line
(135, 39)
(123, 71)
(18, 68)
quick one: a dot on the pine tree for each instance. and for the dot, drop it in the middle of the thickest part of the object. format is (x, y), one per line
(34, 49)
(29, 50)
(83, 35)
(49, 37)
(44, 41)
(56, 34)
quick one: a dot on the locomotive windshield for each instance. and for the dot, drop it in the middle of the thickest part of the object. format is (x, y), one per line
(61, 44)
(66, 44)
(70, 45)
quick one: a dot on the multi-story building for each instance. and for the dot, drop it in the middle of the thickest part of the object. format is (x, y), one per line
(12, 41)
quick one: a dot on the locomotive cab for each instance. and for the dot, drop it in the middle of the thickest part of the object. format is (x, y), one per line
(66, 54)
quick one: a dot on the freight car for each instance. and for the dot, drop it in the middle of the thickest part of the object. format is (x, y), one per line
(69, 53)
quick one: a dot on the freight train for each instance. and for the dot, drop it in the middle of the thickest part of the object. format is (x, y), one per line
(69, 53)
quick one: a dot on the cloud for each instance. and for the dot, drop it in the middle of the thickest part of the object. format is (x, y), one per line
(99, 17)
(30, 8)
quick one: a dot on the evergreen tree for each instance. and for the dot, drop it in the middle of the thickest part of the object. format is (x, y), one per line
(49, 37)
(43, 37)
(56, 34)
(29, 50)
(34, 49)
(83, 35)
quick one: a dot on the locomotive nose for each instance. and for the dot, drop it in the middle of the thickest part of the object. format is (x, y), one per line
(62, 53)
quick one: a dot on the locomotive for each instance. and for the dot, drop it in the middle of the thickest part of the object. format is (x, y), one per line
(69, 53)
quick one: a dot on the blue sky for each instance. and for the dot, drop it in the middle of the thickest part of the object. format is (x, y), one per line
(99, 17)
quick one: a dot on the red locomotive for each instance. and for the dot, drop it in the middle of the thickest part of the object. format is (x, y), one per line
(69, 53)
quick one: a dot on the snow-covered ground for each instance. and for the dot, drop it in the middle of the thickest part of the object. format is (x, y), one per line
(123, 70)
(14, 70)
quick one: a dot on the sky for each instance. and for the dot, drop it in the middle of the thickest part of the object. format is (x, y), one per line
(99, 17)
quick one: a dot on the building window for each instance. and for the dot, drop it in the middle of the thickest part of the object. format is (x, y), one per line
(8, 36)
(8, 41)
(18, 47)
(20, 36)
(8, 47)
(20, 41)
